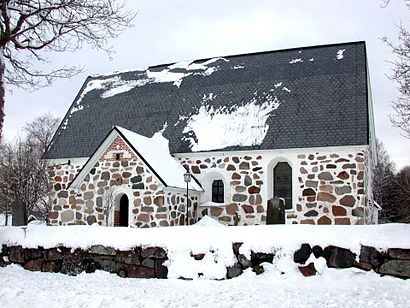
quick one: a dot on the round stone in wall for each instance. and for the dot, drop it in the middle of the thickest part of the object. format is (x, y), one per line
(67, 216)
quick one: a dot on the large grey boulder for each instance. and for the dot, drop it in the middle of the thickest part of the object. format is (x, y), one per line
(338, 257)
(397, 268)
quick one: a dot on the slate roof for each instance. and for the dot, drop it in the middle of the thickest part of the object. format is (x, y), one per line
(322, 91)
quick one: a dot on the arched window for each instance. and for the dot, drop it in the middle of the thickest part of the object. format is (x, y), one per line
(218, 191)
(282, 183)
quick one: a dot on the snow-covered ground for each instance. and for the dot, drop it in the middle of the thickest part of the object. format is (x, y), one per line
(3, 220)
(330, 288)
(214, 240)
(333, 288)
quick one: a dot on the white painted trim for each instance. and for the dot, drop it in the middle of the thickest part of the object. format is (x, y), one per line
(272, 151)
(83, 160)
(91, 162)
(64, 161)
(206, 182)
(119, 192)
(269, 174)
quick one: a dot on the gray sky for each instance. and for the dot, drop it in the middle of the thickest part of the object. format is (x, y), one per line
(168, 31)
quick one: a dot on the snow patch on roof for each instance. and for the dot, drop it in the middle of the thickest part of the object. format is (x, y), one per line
(209, 97)
(237, 67)
(295, 61)
(143, 69)
(166, 76)
(218, 128)
(116, 85)
(159, 158)
(164, 142)
(339, 54)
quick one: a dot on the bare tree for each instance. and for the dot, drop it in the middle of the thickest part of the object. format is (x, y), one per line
(23, 174)
(41, 130)
(5, 189)
(109, 202)
(28, 29)
(383, 180)
(402, 192)
(401, 76)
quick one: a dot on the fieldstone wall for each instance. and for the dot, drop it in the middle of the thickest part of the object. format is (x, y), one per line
(332, 189)
(135, 263)
(62, 202)
(119, 170)
(393, 261)
(245, 177)
(149, 262)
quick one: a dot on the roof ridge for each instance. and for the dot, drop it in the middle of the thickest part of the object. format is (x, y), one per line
(107, 74)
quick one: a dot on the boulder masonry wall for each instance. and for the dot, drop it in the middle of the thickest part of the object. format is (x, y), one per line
(148, 262)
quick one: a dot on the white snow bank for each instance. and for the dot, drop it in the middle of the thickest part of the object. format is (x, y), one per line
(334, 288)
(214, 242)
(3, 220)
(208, 221)
(236, 126)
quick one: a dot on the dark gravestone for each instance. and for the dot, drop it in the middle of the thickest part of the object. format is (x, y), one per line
(276, 211)
(18, 213)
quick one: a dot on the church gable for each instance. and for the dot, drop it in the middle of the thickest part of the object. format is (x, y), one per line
(118, 150)
(117, 187)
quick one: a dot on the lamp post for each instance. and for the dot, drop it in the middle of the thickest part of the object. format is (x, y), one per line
(187, 179)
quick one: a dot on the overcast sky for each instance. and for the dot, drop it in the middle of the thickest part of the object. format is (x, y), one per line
(168, 31)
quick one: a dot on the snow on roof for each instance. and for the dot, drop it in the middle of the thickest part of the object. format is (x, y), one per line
(228, 86)
(116, 85)
(159, 158)
(218, 128)
(339, 54)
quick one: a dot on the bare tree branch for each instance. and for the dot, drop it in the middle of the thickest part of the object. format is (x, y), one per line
(23, 174)
(401, 76)
(30, 29)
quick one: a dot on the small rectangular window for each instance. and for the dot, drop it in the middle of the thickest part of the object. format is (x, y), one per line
(218, 191)
(117, 156)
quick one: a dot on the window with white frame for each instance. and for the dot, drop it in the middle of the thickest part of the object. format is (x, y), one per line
(282, 183)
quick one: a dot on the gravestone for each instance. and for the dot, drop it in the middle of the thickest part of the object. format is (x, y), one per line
(276, 211)
(18, 213)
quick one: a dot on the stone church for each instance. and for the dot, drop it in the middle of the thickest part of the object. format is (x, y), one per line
(168, 144)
